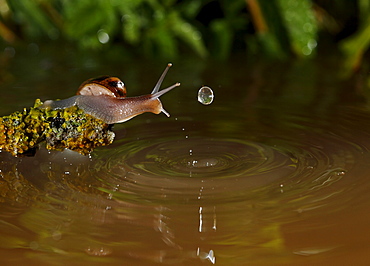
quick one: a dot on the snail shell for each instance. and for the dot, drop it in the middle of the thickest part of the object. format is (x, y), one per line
(104, 85)
(104, 98)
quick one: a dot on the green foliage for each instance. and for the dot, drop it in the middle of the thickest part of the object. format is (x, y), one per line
(291, 27)
(34, 20)
(84, 19)
(225, 29)
(355, 46)
(300, 22)
(167, 28)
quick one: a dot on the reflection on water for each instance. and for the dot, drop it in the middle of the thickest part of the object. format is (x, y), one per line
(238, 182)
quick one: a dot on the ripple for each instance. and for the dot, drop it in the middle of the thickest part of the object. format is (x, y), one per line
(197, 168)
(242, 182)
(302, 160)
(232, 189)
(207, 158)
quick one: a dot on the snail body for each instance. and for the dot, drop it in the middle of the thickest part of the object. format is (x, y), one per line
(104, 98)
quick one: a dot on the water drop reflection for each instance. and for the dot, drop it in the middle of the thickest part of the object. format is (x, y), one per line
(205, 95)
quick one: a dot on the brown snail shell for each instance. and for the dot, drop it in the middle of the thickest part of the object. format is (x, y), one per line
(104, 85)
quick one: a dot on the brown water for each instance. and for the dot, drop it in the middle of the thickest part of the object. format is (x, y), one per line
(274, 172)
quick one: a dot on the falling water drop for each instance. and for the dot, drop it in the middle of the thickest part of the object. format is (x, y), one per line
(205, 95)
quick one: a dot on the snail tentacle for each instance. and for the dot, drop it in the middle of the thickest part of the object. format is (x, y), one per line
(159, 82)
(160, 93)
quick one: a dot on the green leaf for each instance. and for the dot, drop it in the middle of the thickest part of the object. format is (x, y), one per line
(187, 33)
(275, 40)
(355, 46)
(223, 38)
(36, 22)
(271, 45)
(190, 9)
(160, 42)
(301, 25)
(84, 20)
(131, 28)
(364, 8)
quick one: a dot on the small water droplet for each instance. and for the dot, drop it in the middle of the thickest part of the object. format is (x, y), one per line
(205, 95)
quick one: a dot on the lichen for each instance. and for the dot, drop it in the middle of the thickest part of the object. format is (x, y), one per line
(71, 128)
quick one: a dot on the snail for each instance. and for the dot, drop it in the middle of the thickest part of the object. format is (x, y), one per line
(105, 99)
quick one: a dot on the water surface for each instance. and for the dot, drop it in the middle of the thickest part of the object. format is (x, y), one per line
(274, 171)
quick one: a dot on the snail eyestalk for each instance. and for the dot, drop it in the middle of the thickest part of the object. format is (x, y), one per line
(159, 82)
(160, 93)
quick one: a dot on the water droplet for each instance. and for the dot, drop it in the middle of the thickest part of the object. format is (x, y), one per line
(205, 95)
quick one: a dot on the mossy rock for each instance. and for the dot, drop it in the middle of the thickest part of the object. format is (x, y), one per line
(71, 128)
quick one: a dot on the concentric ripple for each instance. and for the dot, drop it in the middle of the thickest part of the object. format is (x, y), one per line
(208, 158)
(218, 168)
(233, 191)
(299, 158)
(186, 165)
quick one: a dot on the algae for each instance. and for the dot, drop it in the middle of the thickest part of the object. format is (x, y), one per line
(21, 132)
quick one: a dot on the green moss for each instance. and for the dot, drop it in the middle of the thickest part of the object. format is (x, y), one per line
(71, 128)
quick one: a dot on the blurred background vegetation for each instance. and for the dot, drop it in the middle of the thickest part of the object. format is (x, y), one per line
(278, 29)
